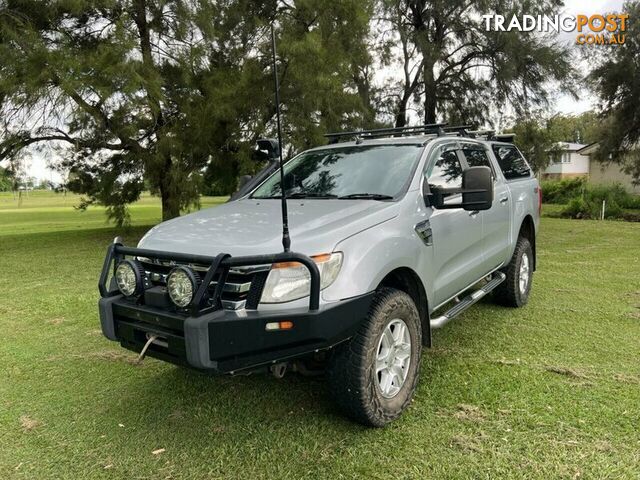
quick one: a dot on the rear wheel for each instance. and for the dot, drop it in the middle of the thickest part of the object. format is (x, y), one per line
(515, 290)
(373, 376)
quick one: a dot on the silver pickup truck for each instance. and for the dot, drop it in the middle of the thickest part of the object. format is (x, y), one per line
(394, 232)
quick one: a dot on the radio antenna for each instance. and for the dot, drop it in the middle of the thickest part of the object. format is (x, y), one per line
(286, 240)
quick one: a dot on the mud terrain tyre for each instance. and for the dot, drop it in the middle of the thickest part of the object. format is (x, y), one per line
(515, 290)
(373, 376)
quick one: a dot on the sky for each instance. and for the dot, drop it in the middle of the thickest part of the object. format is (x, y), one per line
(564, 104)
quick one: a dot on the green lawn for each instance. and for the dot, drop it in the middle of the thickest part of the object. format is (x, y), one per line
(44, 212)
(548, 391)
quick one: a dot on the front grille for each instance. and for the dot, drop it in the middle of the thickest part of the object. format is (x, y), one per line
(242, 289)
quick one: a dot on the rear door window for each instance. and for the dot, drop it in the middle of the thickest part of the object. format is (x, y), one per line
(511, 162)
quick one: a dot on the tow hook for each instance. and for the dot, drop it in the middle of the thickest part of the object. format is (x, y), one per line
(151, 339)
(278, 369)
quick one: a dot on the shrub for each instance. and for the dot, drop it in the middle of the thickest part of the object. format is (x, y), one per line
(561, 191)
(632, 202)
(614, 192)
(584, 200)
(588, 204)
(576, 208)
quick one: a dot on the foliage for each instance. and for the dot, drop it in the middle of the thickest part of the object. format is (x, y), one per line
(6, 182)
(538, 136)
(580, 128)
(458, 70)
(561, 191)
(616, 80)
(536, 142)
(148, 93)
(585, 200)
(589, 208)
(581, 199)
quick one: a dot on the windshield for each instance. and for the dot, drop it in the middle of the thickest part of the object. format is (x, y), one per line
(369, 172)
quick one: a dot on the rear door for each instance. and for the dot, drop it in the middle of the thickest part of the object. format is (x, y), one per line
(457, 234)
(523, 191)
(496, 222)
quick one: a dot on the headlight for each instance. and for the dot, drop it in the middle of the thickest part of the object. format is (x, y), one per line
(291, 280)
(130, 277)
(182, 285)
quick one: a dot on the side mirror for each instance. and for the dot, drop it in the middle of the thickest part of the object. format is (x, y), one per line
(477, 191)
(268, 149)
(477, 188)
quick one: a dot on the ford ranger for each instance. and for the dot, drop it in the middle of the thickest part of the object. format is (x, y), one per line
(394, 232)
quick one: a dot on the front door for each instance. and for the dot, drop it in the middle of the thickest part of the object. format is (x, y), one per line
(457, 234)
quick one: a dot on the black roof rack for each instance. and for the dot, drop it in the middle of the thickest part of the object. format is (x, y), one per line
(438, 129)
(505, 137)
(386, 132)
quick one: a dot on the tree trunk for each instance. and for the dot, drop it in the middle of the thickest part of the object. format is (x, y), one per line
(430, 98)
(170, 204)
(363, 85)
(169, 193)
(401, 113)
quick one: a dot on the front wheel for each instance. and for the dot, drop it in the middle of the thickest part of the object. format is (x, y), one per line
(515, 290)
(373, 376)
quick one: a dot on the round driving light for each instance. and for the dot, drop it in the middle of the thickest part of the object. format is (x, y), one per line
(130, 277)
(182, 285)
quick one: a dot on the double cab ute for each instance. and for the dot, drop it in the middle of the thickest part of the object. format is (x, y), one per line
(394, 232)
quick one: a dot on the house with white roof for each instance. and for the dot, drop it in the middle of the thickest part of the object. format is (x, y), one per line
(568, 162)
(578, 160)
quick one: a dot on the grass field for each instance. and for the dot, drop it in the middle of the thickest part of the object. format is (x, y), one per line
(548, 391)
(43, 212)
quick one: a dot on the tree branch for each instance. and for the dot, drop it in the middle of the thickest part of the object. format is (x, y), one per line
(21, 140)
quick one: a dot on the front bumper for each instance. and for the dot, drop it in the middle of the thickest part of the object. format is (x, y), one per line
(226, 341)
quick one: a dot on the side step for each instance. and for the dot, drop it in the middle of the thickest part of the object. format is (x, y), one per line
(467, 301)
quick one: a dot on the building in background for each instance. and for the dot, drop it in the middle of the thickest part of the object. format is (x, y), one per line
(577, 160)
(567, 163)
(607, 173)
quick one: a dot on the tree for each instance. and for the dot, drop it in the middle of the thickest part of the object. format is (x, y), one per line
(6, 182)
(538, 137)
(458, 69)
(616, 80)
(535, 141)
(580, 128)
(150, 93)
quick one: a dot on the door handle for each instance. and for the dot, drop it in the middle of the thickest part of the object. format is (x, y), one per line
(504, 200)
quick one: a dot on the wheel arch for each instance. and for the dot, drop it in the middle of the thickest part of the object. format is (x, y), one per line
(408, 281)
(528, 231)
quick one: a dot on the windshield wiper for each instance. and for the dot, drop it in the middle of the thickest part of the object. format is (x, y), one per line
(300, 195)
(311, 195)
(366, 196)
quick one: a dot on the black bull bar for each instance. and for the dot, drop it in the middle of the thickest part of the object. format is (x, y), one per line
(219, 264)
